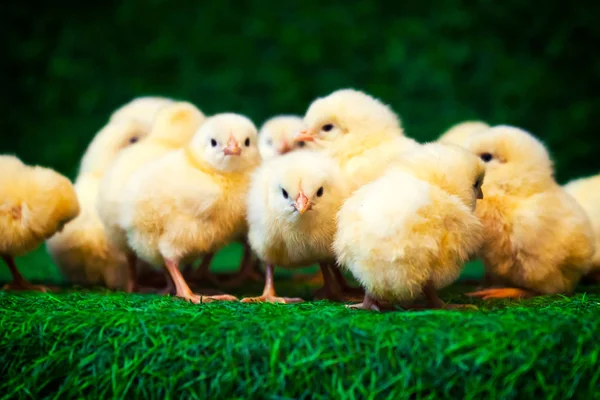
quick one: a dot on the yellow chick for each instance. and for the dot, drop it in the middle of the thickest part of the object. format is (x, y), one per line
(191, 202)
(81, 251)
(358, 131)
(292, 204)
(460, 133)
(276, 136)
(587, 193)
(35, 202)
(538, 240)
(142, 110)
(174, 126)
(410, 232)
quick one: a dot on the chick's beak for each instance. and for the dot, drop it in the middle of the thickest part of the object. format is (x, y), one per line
(302, 203)
(479, 194)
(303, 136)
(284, 148)
(233, 148)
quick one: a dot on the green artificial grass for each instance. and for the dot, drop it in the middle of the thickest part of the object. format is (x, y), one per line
(102, 344)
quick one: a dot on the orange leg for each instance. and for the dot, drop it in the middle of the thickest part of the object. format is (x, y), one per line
(269, 295)
(502, 293)
(369, 303)
(19, 282)
(182, 289)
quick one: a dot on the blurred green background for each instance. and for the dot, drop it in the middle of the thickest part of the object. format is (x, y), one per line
(67, 65)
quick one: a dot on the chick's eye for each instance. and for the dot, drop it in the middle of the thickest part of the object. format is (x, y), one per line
(327, 127)
(284, 193)
(133, 139)
(213, 142)
(320, 192)
(247, 142)
(486, 157)
(301, 144)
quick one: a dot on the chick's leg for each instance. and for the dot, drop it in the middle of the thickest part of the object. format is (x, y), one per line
(330, 289)
(502, 293)
(19, 282)
(369, 303)
(269, 294)
(131, 284)
(182, 289)
(343, 283)
(433, 301)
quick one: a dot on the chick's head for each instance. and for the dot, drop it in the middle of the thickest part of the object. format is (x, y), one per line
(460, 133)
(141, 109)
(60, 200)
(227, 142)
(276, 136)
(514, 158)
(449, 167)
(176, 123)
(348, 117)
(107, 143)
(305, 184)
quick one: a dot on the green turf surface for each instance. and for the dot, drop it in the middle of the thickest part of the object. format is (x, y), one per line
(100, 344)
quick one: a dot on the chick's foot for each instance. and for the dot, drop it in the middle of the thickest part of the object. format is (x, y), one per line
(269, 295)
(26, 286)
(501, 293)
(368, 303)
(272, 299)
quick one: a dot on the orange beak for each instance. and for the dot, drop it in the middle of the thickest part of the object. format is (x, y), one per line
(233, 148)
(284, 148)
(303, 136)
(302, 203)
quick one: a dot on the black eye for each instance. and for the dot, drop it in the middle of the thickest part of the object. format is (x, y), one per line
(247, 142)
(301, 144)
(213, 142)
(284, 193)
(320, 192)
(486, 157)
(327, 127)
(134, 139)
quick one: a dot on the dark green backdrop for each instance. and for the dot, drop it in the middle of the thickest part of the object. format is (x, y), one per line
(67, 65)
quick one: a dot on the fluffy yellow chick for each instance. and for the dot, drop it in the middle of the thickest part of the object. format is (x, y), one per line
(142, 110)
(276, 136)
(587, 193)
(460, 133)
(35, 202)
(191, 202)
(538, 240)
(360, 132)
(292, 204)
(174, 126)
(81, 251)
(410, 232)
